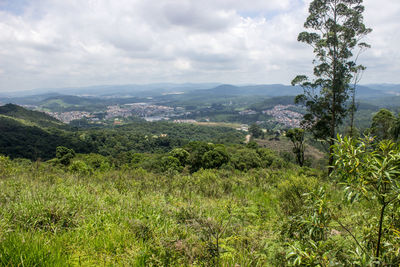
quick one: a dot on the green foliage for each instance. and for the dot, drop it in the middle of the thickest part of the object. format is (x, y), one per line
(64, 155)
(296, 135)
(197, 151)
(170, 163)
(138, 159)
(255, 130)
(311, 230)
(245, 159)
(252, 144)
(215, 158)
(267, 156)
(131, 217)
(181, 154)
(28, 249)
(128, 216)
(24, 134)
(29, 141)
(373, 172)
(292, 191)
(80, 167)
(6, 167)
(396, 128)
(35, 117)
(96, 162)
(336, 28)
(383, 125)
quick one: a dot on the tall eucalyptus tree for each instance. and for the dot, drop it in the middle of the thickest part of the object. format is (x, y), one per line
(335, 30)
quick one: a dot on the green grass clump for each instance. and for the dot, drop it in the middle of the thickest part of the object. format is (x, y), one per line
(31, 249)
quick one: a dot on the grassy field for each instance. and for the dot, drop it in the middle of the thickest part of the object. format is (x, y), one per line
(58, 216)
(50, 217)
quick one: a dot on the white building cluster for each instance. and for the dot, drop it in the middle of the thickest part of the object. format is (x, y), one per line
(283, 115)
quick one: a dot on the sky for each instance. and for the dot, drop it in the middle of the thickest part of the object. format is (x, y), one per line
(72, 43)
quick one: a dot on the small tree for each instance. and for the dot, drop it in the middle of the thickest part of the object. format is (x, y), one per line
(383, 124)
(296, 135)
(181, 154)
(215, 158)
(64, 155)
(255, 130)
(171, 164)
(369, 171)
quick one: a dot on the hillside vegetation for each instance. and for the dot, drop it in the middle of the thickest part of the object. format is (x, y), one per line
(191, 206)
(34, 135)
(164, 194)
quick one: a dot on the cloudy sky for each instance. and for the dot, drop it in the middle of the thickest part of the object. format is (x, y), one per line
(64, 43)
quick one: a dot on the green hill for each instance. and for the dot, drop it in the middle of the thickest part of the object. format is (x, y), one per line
(30, 117)
(19, 139)
(32, 134)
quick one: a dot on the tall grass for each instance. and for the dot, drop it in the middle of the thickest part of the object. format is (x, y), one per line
(52, 217)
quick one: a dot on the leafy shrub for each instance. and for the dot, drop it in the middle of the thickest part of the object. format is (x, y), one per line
(80, 167)
(245, 159)
(291, 193)
(215, 158)
(267, 156)
(207, 183)
(64, 155)
(97, 162)
(181, 154)
(169, 163)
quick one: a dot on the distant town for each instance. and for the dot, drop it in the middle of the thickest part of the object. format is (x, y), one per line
(281, 114)
(147, 111)
(285, 116)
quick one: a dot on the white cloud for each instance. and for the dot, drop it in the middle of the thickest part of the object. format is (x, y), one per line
(57, 43)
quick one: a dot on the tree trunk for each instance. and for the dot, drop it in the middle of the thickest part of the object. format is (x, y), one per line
(335, 89)
(330, 167)
(353, 109)
(378, 246)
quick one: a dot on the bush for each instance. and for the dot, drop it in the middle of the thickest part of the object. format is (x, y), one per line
(64, 155)
(267, 156)
(97, 162)
(181, 154)
(215, 158)
(5, 166)
(80, 167)
(245, 159)
(291, 193)
(169, 163)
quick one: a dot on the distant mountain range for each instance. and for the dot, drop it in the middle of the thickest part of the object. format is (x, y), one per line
(120, 94)
(112, 90)
(372, 90)
(273, 90)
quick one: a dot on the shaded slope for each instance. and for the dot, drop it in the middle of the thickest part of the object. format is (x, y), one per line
(32, 117)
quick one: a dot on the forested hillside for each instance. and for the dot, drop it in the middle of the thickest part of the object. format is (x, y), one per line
(34, 135)
(29, 117)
